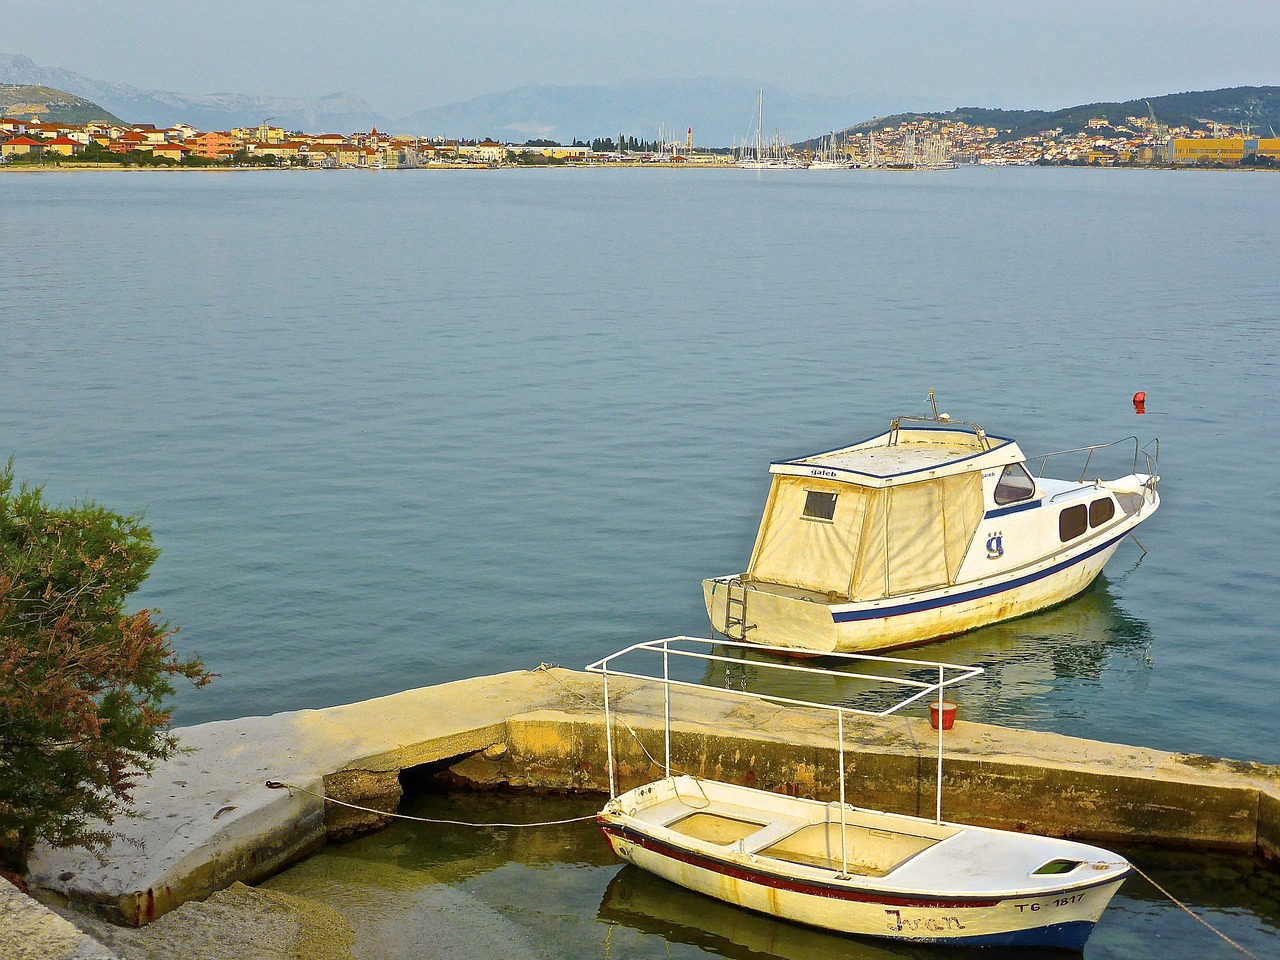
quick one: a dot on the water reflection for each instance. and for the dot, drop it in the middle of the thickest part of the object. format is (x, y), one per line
(1027, 661)
(648, 905)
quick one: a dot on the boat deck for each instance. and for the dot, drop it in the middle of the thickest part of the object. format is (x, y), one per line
(910, 853)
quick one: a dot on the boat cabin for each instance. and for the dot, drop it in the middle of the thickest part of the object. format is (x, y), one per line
(891, 515)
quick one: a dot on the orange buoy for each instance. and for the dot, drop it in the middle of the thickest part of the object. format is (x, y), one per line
(1140, 397)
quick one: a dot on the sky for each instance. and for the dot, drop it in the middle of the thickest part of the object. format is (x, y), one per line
(404, 55)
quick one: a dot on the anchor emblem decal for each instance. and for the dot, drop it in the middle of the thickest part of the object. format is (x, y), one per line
(995, 546)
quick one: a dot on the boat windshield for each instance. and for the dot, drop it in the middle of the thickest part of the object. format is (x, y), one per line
(1014, 485)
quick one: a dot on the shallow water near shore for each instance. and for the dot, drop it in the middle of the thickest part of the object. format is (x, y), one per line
(558, 892)
(392, 429)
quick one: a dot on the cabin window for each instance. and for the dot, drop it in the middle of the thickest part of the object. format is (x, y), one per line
(819, 505)
(1014, 485)
(1101, 510)
(1072, 522)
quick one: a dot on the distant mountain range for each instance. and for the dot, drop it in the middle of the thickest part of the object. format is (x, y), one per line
(214, 111)
(50, 105)
(1258, 107)
(720, 111)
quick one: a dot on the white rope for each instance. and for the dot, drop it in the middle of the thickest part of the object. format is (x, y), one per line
(1194, 916)
(280, 785)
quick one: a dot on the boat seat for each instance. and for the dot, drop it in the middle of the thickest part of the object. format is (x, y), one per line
(727, 825)
(768, 835)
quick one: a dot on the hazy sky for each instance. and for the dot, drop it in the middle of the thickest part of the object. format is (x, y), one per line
(402, 55)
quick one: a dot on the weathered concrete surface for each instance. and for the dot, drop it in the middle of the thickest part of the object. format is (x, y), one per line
(31, 931)
(208, 820)
(1269, 822)
(238, 923)
(1042, 783)
(994, 776)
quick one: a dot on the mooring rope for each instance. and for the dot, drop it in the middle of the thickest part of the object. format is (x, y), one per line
(280, 785)
(1191, 913)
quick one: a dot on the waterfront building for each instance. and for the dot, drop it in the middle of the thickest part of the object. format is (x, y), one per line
(1228, 150)
(21, 147)
(262, 133)
(170, 151)
(490, 151)
(286, 151)
(65, 146)
(215, 145)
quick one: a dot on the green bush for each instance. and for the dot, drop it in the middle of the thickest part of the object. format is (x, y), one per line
(82, 680)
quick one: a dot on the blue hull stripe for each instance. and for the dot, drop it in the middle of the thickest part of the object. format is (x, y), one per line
(1065, 936)
(1016, 508)
(883, 613)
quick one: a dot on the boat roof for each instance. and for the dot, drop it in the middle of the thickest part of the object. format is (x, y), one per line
(907, 455)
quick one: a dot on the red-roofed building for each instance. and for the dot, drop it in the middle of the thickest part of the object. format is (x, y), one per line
(21, 147)
(132, 140)
(46, 130)
(285, 151)
(170, 151)
(65, 146)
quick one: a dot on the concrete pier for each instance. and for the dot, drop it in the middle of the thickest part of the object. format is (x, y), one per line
(207, 818)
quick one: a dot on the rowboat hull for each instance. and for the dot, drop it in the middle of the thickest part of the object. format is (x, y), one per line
(1060, 919)
(1041, 912)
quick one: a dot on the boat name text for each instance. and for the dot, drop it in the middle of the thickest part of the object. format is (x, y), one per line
(818, 472)
(939, 924)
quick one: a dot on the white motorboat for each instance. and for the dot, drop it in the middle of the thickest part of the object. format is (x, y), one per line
(930, 529)
(842, 868)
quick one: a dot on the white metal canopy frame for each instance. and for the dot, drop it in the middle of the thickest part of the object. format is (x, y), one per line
(911, 690)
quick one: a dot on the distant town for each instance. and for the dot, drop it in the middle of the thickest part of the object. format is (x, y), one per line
(1130, 141)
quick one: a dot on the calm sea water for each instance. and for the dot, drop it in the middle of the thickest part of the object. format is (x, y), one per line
(392, 429)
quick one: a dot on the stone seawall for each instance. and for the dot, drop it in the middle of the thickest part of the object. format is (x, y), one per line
(208, 819)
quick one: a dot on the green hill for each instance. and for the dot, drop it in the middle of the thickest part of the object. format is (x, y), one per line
(23, 101)
(1257, 106)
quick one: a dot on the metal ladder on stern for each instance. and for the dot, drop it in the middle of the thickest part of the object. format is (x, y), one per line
(735, 609)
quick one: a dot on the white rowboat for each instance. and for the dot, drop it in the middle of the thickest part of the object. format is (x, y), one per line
(843, 868)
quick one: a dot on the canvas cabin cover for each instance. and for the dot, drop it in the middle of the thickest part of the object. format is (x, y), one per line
(876, 541)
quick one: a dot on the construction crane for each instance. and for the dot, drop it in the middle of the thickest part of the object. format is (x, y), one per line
(1159, 132)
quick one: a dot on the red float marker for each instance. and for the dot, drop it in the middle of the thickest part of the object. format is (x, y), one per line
(1140, 402)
